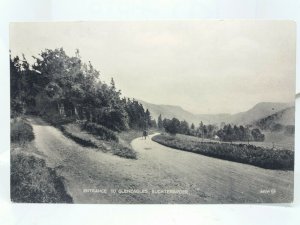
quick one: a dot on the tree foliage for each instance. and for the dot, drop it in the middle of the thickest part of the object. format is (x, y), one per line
(139, 118)
(241, 133)
(227, 133)
(60, 85)
(172, 126)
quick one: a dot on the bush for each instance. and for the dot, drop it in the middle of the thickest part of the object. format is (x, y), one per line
(102, 132)
(123, 151)
(33, 181)
(20, 131)
(58, 120)
(79, 140)
(248, 154)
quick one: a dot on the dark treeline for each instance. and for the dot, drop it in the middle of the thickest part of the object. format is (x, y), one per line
(61, 86)
(138, 117)
(226, 133)
(240, 133)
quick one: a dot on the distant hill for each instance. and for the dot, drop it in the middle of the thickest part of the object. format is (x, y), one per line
(277, 121)
(259, 111)
(169, 111)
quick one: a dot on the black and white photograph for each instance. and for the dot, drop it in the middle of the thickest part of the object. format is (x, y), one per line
(152, 112)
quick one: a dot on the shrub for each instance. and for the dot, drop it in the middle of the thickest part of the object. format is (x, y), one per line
(58, 120)
(123, 151)
(102, 132)
(248, 154)
(79, 140)
(20, 131)
(33, 181)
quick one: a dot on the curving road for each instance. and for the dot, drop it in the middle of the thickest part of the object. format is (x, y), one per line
(158, 172)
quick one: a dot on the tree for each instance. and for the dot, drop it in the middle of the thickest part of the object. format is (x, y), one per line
(60, 85)
(160, 122)
(193, 126)
(211, 130)
(153, 123)
(184, 127)
(17, 85)
(172, 126)
(229, 133)
(147, 119)
(139, 118)
(241, 133)
(166, 122)
(257, 135)
(200, 130)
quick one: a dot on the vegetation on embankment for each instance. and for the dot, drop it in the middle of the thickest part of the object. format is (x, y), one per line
(101, 131)
(77, 137)
(242, 153)
(104, 140)
(31, 179)
(21, 131)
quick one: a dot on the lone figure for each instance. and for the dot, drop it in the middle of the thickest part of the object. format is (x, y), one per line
(145, 134)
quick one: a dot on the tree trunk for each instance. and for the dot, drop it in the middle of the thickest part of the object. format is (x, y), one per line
(91, 117)
(76, 112)
(61, 109)
(58, 109)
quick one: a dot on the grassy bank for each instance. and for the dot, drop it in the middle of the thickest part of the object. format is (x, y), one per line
(20, 131)
(103, 140)
(74, 132)
(31, 179)
(242, 153)
(280, 141)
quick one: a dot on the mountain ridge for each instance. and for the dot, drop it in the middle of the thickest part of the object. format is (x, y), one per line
(258, 111)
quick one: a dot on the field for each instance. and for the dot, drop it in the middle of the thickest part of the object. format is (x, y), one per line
(243, 153)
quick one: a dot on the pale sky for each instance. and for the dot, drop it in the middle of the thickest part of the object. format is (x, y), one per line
(202, 66)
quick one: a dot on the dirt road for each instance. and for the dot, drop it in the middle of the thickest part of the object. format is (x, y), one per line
(158, 172)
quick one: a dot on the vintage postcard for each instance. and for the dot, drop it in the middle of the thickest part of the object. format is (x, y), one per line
(153, 111)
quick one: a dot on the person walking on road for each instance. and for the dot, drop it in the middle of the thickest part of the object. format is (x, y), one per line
(145, 134)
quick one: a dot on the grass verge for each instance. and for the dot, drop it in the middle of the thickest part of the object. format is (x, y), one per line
(102, 132)
(68, 131)
(117, 146)
(20, 131)
(31, 180)
(242, 153)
